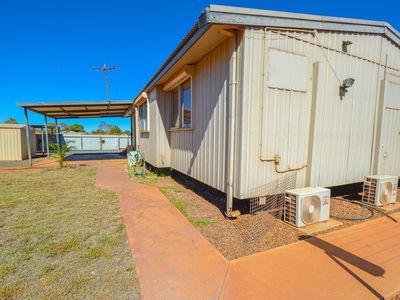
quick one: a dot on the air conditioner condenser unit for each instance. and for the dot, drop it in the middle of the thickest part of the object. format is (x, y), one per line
(380, 190)
(306, 206)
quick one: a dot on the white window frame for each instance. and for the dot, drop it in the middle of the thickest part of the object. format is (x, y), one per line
(147, 129)
(182, 126)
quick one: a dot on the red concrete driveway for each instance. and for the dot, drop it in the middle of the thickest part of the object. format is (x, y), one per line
(174, 261)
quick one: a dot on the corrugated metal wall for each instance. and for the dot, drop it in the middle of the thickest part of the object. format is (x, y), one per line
(334, 136)
(388, 144)
(10, 144)
(163, 135)
(32, 138)
(201, 153)
(13, 144)
(147, 142)
(338, 145)
(155, 144)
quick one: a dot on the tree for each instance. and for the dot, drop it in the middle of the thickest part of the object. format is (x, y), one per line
(114, 129)
(98, 131)
(76, 128)
(61, 151)
(105, 128)
(102, 126)
(63, 126)
(11, 121)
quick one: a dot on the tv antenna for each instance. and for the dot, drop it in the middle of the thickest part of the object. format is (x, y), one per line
(106, 70)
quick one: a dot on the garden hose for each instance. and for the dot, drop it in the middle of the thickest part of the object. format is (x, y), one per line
(380, 211)
(136, 163)
(353, 219)
(370, 207)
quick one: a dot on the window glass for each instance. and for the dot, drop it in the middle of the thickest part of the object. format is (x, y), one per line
(174, 108)
(181, 105)
(143, 117)
(186, 96)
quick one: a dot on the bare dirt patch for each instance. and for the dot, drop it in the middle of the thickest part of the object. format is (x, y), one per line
(245, 235)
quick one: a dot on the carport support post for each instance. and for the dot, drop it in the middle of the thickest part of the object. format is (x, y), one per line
(28, 140)
(47, 136)
(57, 136)
(42, 139)
(133, 133)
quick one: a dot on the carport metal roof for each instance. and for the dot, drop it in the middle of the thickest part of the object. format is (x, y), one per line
(71, 110)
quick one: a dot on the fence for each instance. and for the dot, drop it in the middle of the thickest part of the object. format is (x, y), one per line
(89, 142)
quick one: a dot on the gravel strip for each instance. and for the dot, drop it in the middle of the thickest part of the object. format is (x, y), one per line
(248, 234)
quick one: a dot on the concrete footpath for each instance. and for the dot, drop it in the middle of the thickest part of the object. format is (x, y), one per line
(174, 261)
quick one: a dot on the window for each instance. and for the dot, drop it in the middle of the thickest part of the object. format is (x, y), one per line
(186, 96)
(143, 117)
(181, 105)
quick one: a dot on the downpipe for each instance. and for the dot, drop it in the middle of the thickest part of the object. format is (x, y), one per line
(231, 127)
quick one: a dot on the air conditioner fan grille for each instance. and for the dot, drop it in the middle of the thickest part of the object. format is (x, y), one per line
(369, 191)
(290, 209)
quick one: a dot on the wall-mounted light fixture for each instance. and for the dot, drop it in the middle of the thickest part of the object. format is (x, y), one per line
(345, 45)
(347, 83)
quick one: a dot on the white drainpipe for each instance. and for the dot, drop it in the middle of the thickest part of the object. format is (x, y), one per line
(231, 126)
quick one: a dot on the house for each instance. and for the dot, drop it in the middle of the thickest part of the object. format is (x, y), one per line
(251, 96)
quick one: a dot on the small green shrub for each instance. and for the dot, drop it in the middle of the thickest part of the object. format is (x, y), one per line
(201, 222)
(181, 205)
(60, 151)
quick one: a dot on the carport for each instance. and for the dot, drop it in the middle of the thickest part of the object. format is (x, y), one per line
(75, 110)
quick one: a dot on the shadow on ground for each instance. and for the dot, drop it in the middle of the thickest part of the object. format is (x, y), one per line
(95, 156)
(213, 196)
(338, 255)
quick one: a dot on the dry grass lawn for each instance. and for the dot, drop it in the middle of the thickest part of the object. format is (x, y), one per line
(61, 237)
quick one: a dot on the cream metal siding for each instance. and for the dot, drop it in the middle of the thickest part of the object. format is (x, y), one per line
(201, 153)
(388, 143)
(10, 144)
(147, 141)
(162, 137)
(32, 138)
(343, 132)
(333, 137)
(13, 144)
(154, 143)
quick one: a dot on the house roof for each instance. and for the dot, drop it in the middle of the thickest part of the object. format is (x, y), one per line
(71, 110)
(239, 16)
(219, 14)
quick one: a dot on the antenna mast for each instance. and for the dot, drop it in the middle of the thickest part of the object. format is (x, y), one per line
(106, 70)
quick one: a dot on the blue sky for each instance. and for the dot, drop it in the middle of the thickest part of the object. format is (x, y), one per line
(48, 47)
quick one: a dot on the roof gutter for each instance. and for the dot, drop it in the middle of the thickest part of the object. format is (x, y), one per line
(219, 14)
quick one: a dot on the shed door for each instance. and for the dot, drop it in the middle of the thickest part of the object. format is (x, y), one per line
(389, 151)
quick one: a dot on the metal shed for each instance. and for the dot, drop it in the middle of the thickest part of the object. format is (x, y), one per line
(274, 101)
(13, 142)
